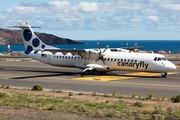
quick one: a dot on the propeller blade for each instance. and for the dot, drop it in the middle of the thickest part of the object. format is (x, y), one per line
(99, 47)
(98, 58)
(127, 45)
(106, 48)
(103, 61)
(135, 45)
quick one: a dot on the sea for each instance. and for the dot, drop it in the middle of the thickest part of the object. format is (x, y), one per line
(151, 45)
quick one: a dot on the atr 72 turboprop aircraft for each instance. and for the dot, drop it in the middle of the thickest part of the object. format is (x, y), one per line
(92, 60)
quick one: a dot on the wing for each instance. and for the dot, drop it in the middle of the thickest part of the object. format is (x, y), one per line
(87, 53)
(72, 51)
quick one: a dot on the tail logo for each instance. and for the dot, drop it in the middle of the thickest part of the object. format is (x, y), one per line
(35, 42)
(27, 34)
(32, 42)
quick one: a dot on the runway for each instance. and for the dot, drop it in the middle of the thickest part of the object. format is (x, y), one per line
(27, 74)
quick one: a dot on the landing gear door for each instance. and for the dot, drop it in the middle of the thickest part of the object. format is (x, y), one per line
(48, 58)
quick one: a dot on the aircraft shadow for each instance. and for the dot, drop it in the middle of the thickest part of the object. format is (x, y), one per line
(46, 74)
(79, 74)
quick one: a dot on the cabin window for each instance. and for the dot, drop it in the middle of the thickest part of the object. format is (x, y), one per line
(135, 60)
(115, 59)
(108, 59)
(118, 59)
(111, 59)
(124, 60)
(59, 56)
(104, 59)
(132, 60)
(121, 60)
(62, 56)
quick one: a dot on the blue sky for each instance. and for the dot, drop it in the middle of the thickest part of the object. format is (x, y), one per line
(97, 19)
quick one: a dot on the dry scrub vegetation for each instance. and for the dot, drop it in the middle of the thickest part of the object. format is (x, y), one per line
(58, 104)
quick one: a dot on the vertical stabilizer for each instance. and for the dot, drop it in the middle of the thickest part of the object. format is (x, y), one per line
(31, 41)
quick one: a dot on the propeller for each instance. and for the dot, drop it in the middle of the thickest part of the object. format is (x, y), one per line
(101, 54)
(134, 47)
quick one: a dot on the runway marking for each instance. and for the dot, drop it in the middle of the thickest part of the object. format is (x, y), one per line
(147, 84)
(139, 74)
(103, 78)
(107, 78)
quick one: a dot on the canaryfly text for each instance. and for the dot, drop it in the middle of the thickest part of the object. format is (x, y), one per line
(137, 65)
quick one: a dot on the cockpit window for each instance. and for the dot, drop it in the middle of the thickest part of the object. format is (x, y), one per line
(164, 59)
(155, 58)
(160, 59)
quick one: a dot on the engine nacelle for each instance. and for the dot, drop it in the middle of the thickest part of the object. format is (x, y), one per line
(99, 68)
(92, 54)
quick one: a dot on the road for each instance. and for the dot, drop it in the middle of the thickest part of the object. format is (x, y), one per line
(26, 74)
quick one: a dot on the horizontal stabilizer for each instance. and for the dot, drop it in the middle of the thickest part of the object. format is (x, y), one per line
(23, 26)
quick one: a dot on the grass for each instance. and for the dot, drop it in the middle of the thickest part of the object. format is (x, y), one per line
(95, 109)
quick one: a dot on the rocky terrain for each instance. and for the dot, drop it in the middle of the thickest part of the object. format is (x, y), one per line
(13, 37)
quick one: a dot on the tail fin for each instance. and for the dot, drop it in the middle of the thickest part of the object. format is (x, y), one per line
(31, 41)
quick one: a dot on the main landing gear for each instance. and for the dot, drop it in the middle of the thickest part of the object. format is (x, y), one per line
(163, 75)
(88, 71)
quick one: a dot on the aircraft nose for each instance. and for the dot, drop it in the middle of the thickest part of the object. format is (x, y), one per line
(171, 66)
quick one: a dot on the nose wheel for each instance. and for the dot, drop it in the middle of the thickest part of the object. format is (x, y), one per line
(163, 75)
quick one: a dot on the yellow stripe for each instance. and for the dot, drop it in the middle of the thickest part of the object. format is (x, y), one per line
(107, 78)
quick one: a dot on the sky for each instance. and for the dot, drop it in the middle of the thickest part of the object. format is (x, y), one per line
(97, 19)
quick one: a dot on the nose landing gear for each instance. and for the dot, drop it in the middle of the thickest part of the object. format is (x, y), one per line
(163, 75)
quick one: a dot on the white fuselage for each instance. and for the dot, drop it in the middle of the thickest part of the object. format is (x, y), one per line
(120, 61)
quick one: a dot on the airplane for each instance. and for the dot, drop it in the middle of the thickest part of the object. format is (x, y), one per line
(92, 60)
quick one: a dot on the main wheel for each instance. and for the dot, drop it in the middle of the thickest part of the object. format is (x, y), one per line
(86, 72)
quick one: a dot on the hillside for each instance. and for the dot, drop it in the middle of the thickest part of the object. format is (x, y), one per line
(14, 37)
